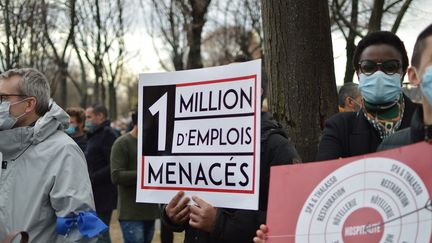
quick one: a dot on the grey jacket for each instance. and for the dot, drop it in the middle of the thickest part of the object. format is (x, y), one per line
(43, 176)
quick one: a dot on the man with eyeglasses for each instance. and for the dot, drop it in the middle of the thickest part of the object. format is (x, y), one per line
(381, 62)
(44, 184)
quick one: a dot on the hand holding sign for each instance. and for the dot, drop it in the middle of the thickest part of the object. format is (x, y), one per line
(176, 210)
(261, 234)
(203, 215)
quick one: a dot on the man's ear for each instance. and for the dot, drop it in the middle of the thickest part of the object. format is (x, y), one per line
(413, 76)
(349, 102)
(99, 116)
(31, 104)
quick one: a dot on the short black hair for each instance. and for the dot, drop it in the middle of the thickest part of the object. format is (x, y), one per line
(420, 46)
(381, 37)
(100, 109)
(134, 117)
(347, 90)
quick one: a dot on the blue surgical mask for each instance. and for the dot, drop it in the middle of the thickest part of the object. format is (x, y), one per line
(71, 130)
(380, 88)
(427, 85)
(89, 126)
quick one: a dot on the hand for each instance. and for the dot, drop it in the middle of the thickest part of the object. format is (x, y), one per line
(176, 210)
(202, 215)
(261, 234)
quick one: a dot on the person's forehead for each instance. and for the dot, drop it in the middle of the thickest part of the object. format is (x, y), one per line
(73, 119)
(89, 111)
(380, 52)
(10, 86)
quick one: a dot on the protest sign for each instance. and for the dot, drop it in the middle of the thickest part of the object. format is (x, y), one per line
(199, 132)
(380, 197)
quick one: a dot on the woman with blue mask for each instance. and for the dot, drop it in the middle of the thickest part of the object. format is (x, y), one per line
(381, 62)
(420, 75)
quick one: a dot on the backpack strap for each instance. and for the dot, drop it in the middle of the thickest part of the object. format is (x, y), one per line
(10, 237)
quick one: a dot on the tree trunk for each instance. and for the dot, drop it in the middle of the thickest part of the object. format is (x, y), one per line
(84, 88)
(112, 101)
(103, 92)
(376, 16)
(350, 45)
(96, 86)
(198, 12)
(299, 64)
(63, 84)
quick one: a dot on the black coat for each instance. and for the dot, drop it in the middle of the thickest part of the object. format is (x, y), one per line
(81, 141)
(349, 133)
(416, 133)
(97, 154)
(239, 226)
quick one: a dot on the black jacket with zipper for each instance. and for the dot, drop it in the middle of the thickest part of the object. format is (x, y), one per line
(350, 133)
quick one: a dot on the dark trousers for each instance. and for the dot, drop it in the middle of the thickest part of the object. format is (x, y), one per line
(167, 235)
(106, 218)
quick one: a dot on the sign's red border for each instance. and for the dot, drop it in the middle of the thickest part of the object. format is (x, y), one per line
(143, 186)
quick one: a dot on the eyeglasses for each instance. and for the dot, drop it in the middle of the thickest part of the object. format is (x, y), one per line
(369, 67)
(3, 97)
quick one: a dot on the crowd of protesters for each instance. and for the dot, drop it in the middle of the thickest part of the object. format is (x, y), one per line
(63, 172)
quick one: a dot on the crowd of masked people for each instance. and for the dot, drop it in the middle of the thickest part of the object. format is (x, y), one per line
(111, 155)
(63, 172)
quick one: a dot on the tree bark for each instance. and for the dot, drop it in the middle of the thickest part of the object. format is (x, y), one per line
(376, 16)
(198, 12)
(299, 64)
(112, 101)
(350, 45)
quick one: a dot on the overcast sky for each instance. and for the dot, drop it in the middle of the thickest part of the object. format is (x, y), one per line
(415, 20)
(146, 60)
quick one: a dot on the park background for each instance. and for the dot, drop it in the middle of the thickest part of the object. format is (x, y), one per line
(93, 50)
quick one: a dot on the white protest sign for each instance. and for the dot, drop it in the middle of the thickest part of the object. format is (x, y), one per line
(199, 132)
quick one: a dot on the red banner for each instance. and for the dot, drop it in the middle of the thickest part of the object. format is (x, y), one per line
(379, 197)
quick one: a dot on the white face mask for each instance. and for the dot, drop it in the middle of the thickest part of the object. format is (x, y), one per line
(7, 121)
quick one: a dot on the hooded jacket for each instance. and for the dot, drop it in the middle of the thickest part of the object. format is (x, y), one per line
(43, 178)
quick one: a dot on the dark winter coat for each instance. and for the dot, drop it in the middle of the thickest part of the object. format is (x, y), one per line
(234, 225)
(350, 133)
(98, 154)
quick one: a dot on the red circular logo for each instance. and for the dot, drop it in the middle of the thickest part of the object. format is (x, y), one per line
(363, 225)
